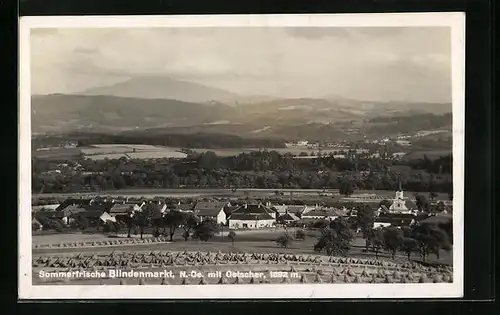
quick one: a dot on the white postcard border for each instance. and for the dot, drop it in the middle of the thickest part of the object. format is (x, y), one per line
(454, 20)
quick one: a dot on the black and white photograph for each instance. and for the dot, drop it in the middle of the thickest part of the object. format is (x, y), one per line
(259, 156)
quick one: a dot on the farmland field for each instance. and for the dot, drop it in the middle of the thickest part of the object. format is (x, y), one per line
(112, 151)
(58, 153)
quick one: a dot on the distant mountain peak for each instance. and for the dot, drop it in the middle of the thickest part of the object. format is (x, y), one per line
(161, 87)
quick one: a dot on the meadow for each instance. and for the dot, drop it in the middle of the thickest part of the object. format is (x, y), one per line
(112, 151)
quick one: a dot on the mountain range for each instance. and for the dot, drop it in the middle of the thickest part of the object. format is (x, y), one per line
(172, 105)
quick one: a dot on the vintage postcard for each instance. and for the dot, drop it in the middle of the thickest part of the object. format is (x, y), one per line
(242, 156)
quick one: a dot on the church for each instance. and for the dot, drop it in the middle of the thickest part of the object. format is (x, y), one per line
(400, 204)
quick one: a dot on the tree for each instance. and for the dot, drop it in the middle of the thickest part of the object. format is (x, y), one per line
(232, 236)
(409, 246)
(440, 207)
(300, 235)
(284, 241)
(83, 222)
(432, 239)
(205, 230)
(432, 195)
(375, 240)
(130, 224)
(142, 221)
(365, 219)
(336, 238)
(393, 239)
(189, 222)
(422, 203)
(172, 220)
(346, 187)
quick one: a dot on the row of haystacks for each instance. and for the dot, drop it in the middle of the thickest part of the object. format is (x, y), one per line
(173, 258)
(103, 243)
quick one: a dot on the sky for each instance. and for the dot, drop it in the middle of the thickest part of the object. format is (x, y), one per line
(378, 64)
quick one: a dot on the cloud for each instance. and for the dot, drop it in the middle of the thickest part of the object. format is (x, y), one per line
(382, 63)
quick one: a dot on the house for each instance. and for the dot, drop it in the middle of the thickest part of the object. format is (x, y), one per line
(280, 209)
(288, 218)
(105, 217)
(122, 209)
(405, 143)
(394, 219)
(74, 202)
(400, 204)
(184, 207)
(252, 216)
(295, 209)
(211, 210)
(398, 155)
(52, 207)
(324, 214)
(154, 209)
(229, 209)
(67, 214)
(36, 225)
(99, 207)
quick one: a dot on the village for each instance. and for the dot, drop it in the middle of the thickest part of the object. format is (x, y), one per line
(236, 214)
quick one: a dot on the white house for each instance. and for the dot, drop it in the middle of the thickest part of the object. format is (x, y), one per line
(252, 217)
(211, 210)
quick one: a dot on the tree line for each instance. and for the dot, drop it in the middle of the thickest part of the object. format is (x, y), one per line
(265, 169)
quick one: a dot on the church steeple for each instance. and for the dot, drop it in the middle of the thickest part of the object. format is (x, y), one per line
(399, 192)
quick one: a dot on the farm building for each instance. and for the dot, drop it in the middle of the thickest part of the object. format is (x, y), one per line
(252, 216)
(324, 214)
(67, 214)
(288, 218)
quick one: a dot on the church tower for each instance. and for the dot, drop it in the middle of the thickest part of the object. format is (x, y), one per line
(399, 192)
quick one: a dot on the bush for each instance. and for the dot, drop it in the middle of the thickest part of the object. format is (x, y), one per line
(284, 241)
(300, 235)
(232, 236)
